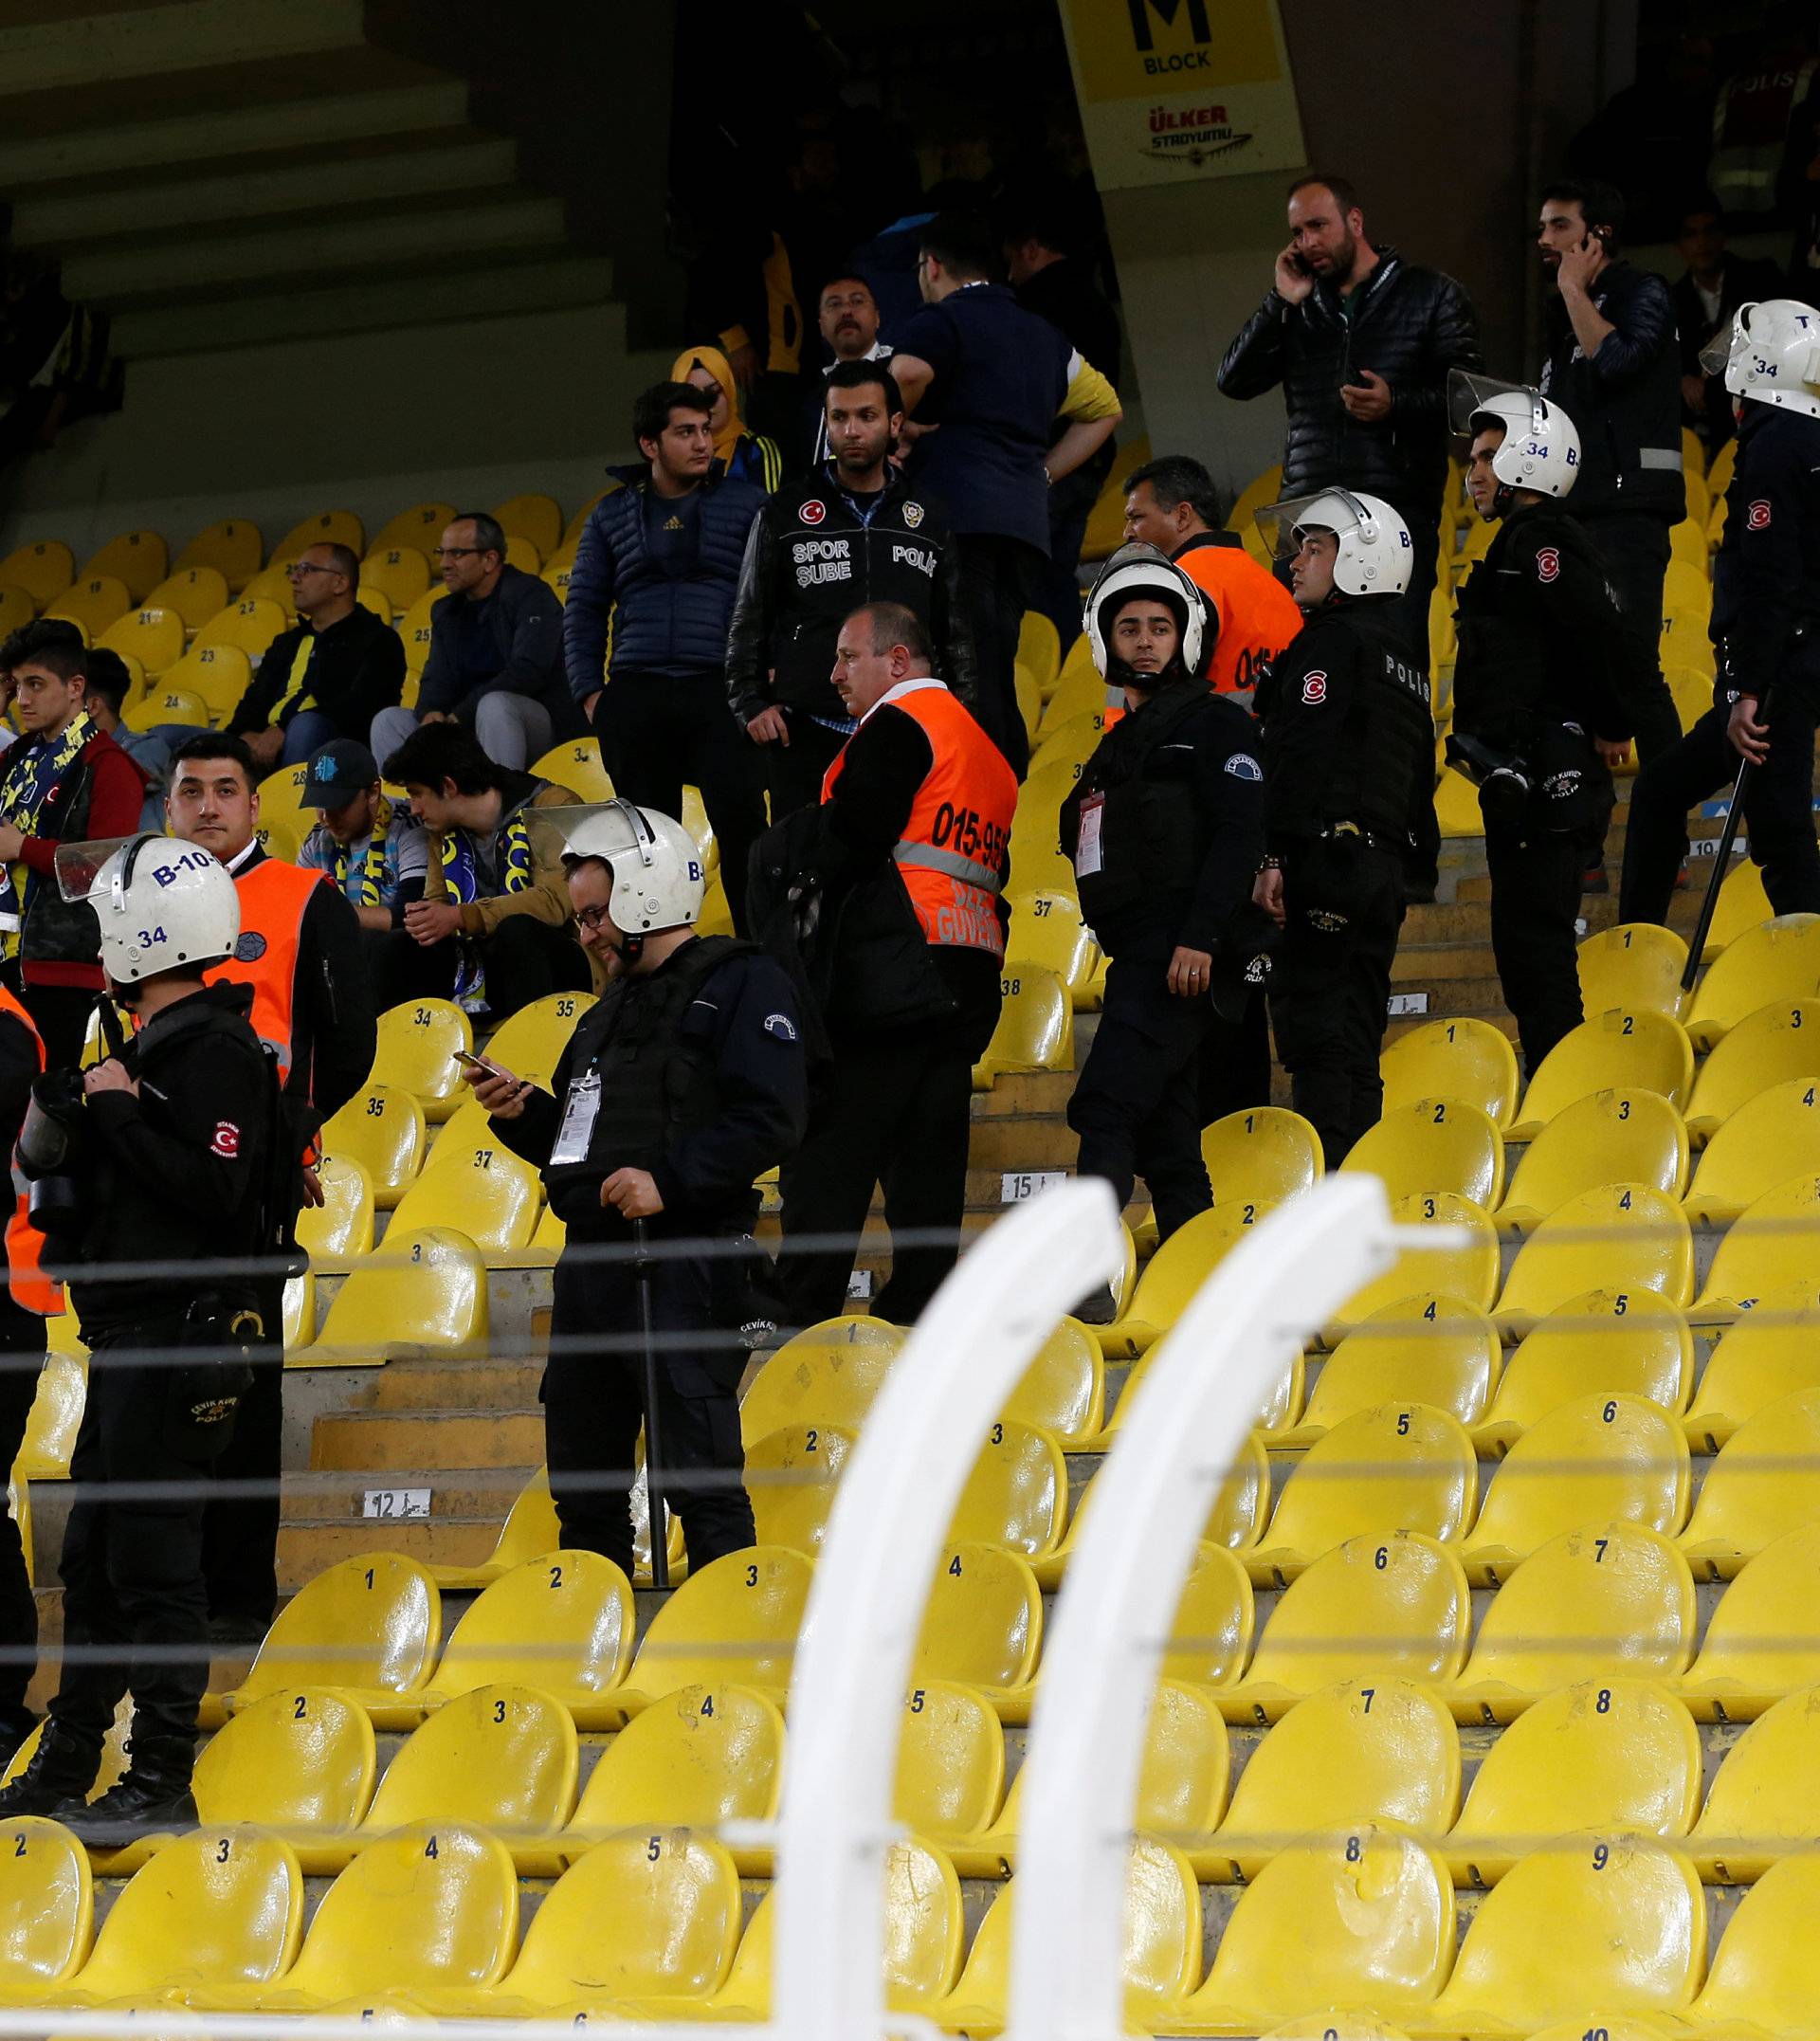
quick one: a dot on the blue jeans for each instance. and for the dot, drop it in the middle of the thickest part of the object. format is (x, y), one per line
(306, 734)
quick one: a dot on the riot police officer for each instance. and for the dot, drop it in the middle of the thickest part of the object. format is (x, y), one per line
(1766, 631)
(681, 1085)
(154, 1176)
(1548, 690)
(1349, 802)
(1165, 827)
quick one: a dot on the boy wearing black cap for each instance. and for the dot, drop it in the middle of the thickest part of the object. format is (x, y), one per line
(375, 853)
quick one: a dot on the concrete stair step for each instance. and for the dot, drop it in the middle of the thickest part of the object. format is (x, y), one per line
(383, 1441)
(468, 1385)
(305, 1548)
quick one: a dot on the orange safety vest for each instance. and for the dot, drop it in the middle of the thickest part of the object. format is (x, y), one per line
(273, 896)
(1254, 616)
(951, 856)
(32, 1290)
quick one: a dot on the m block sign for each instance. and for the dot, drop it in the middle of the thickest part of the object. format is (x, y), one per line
(1173, 89)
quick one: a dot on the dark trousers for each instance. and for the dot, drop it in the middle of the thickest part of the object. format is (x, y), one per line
(594, 1401)
(1778, 808)
(240, 1532)
(999, 577)
(59, 1013)
(22, 1358)
(1071, 501)
(658, 733)
(1331, 984)
(1235, 1064)
(1535, 883)
(793, 773)
(1635, 548)
(525, 959)
(895, 1110)
(1137, 1103)
(136, 1611)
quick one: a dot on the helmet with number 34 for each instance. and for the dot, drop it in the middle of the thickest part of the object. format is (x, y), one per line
(1771, 355)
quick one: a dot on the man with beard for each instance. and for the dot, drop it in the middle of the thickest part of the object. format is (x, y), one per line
(853, 533)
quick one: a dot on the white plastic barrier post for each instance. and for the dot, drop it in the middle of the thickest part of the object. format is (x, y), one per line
(1200, 1397)
(884, 1535)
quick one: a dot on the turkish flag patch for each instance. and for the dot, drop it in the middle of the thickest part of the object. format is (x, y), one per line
(1756, 518)
(1314, 690)
(1548, 563)
(815, 511)
(227, 1141)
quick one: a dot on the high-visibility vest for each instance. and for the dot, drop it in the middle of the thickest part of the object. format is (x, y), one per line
(951, 856)
(273, 898)
(32, 1290)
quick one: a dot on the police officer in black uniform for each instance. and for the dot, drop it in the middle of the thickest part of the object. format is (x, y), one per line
(681, 1085)
(1548, 690)
(1349, 799)
(1766, 631)
(161, 1156)
(1165, 827)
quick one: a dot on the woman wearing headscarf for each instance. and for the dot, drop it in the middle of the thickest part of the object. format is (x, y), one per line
(746, 454)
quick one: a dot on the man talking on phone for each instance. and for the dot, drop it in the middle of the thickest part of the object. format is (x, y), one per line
(1613, 365)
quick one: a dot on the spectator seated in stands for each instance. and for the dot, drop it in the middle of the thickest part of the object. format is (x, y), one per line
(495, 654)
(109, 683)
(492, 930)
(327, 677)
(748, 455)
(377, 855)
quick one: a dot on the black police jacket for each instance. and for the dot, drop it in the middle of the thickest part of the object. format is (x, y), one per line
(1766, 579)
(1542, 637)
(1625, 401)
(703, 1082)
(1179, 795)
(1409, 325)
(1349, 737)
(813, 556)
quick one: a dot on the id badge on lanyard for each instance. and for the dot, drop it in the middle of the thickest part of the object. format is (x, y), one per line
(1086, 848)
(579, 1113)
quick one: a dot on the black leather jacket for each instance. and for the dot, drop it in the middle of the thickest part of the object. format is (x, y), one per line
(1409, 325)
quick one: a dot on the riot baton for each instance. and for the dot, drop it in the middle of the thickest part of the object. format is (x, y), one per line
(1727, 837)
(645, 1266)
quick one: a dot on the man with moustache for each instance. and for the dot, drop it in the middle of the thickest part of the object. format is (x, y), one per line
(848, 315)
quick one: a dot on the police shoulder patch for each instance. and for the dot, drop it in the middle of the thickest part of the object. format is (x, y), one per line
(813, 511)
(250, 947)
(1548, 563)
(1756, 518)
(781, 1026)
(1314, 688)
(1243, 766)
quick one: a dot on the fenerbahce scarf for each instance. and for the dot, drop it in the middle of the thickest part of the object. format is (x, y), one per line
(461, 871)
(369, 880)
(29, 782)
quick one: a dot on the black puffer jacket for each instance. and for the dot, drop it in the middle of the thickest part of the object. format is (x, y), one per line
(1409, 325)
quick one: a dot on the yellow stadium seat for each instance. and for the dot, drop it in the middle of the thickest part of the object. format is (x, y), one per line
(1210, 1635)
(217, 675)
(1370, 1749)
(529, 1530)
(328, 527)
(1456, 806)
(1468, 1271)
(791, 1476)
(94, 602)
(1161, 1959)
(413, 627)
(1623, 1048)
(950, 1783)
(710, 1755)
(735, 1620)
(1047, 929)
(56, 1414)
(272, 583)
(829, 1372)
(1613, 1921)
(339, 1228)
(1686, 640)
(192, 594)
(1634, 965)
(1765, 1802)
(1434, 1144)
(1773, 1241)
(416, 1053)
(1719, 476)
(216, 1912)
(1039, 648)
(1617, 1135)
(420, 526)
(46, 1909)
(1065, 1388)
(1599, 1459)
(1398, 1605)
(1692, 689)
(1765, 1978)
(419, 1290)
(302, 1763)
(141, 560)
(1765, 1141)
(535, 518)
(176, 704)
(1468, 1060)
(1769, 965)
(481, 1186)
(376, 600)
(1624, 1235)
(1769, 1048)
(1080, 689)
(1017, 1494)
(1364, 1916)
(531, 1042)
(369, 1627)
(1742, 905)
(577, 766)
(248, 626)
(1614, 1597)
(1258, 493)
(1623, 1342)
(398, 573)
(1073, 741)
(1761, 1641)
(1234, 1523)
(1264, 1153)
(1773, 1350)
(1429, 1350)
(231, 548)
(16, 607)
(381, 1128)
(1173, 1274)
(43, 569)
(1395, 1467)
(556, 575)
(1763, 1485)
(1035, 1029)
(982, 1626)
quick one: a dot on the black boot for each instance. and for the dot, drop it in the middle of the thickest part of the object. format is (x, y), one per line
(62, 1769)
(153, 1796)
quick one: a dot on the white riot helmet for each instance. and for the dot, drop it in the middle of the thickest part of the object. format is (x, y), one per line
(1375, 556)
(1138, 569)
(1541, 445)
(659, 879)
(161, 903)
(1770, 355)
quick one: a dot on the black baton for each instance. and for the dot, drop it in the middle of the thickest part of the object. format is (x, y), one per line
(1727, 837)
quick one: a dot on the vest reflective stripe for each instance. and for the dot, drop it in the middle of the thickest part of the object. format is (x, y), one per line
(273, 896)
(32, 1290)
(964, 805)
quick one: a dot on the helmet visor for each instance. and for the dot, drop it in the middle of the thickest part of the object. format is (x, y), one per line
(78, 865)
(1326, 510)
(1469, 394)
(1717, 353)
(604, 828)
